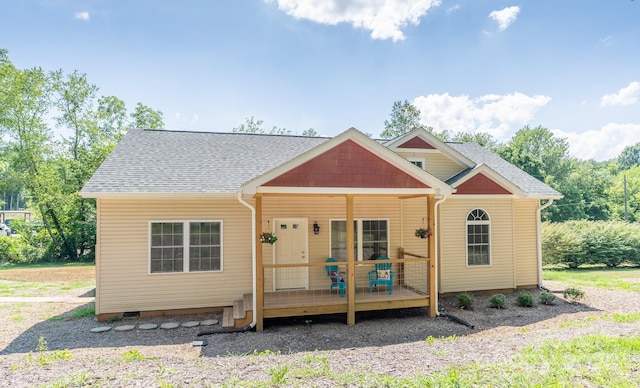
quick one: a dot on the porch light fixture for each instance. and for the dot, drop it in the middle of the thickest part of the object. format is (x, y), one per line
(316, 228)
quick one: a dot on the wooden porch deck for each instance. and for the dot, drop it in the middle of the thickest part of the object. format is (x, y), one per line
(315, 302)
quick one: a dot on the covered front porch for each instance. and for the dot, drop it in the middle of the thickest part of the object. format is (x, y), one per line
(302, 286)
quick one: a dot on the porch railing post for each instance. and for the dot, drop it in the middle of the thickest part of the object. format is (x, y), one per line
(351, 267)
(433, 292)
(259, 267)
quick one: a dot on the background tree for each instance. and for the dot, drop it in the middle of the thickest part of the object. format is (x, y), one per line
(49, 169)
(539, 153)
(404, 118)
(629, 157)
(482, 138)
(251, 125)
(147, 118)
(310, 132)
(617, 195)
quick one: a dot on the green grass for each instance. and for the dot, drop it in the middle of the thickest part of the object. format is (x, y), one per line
(10, 266)
(28, 289)
(624, 279)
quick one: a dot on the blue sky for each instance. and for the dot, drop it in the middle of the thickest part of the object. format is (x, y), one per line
(572, 66)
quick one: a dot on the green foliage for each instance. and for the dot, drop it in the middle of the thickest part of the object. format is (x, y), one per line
(44, 358)
(133, 355)
(251, 125)
(404, 118)
(629, 157)
(465, 300)
(498, 301)
(50, 171)
(524, 299)
(576, 243)
(278, 374)
(616, 195)
(547, 297)
(147, 118)
(573, 295)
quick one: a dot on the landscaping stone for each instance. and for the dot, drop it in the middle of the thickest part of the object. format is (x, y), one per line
(148, 326)
(169, 325)
(125, 328)
(209, 322)
(190, 324)
(100, 329)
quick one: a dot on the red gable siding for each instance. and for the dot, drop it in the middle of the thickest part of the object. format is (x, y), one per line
(417, 142)
(481, 184)
(347, 165)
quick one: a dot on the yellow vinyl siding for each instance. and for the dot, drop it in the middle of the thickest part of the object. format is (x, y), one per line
(124, 281)
(436, 163)
(455, 275)
(526, 242)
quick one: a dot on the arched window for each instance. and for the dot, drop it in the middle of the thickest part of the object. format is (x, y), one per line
(478, 238)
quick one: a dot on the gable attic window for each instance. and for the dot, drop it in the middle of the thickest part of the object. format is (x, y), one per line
(186, 246)
(420, 162)
(478, 238)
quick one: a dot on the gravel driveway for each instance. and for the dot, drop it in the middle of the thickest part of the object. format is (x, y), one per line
(390, 342)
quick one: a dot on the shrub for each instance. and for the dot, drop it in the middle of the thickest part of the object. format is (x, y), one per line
(498, 301)
(573, 294)
(524, 299)
(574, 243)
(465, 300)
(561, 244)
(547, 297)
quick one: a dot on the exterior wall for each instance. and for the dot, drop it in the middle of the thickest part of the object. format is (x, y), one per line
(455, 275)
(324, 209)
(123, 279)
(436, 163)
(526, 242)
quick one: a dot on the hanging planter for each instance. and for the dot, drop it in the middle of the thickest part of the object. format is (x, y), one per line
(423, 233)
(270, 238)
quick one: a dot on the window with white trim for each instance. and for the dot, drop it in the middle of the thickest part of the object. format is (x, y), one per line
(371, 239)
(420, 162)
(478, 238)
(185, 246)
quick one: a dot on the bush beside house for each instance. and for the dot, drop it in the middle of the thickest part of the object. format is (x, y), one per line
(576, 243)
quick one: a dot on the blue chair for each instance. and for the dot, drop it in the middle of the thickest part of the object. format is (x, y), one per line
(337, 277)
(382, 275)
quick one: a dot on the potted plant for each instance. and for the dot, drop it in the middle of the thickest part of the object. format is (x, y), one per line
(423, 232)
(270, 238)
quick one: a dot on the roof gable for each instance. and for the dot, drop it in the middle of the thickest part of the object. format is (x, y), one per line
(421, 140)
(417, 142)
(352, 162)
(348, 164)
(481, 184)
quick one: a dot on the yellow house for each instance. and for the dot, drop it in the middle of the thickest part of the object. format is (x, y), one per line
(271, 226)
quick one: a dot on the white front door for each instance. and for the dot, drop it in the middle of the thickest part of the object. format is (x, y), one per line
(291, 248)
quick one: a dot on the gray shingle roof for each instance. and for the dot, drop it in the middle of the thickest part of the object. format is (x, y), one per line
(157, 161)
(480, 155)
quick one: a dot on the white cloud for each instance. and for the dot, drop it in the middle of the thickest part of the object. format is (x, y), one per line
(626, 96)
(603, 144)
(194, 119)
(82, 15)
(505, 16)
(498, 115)
(384, 18)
